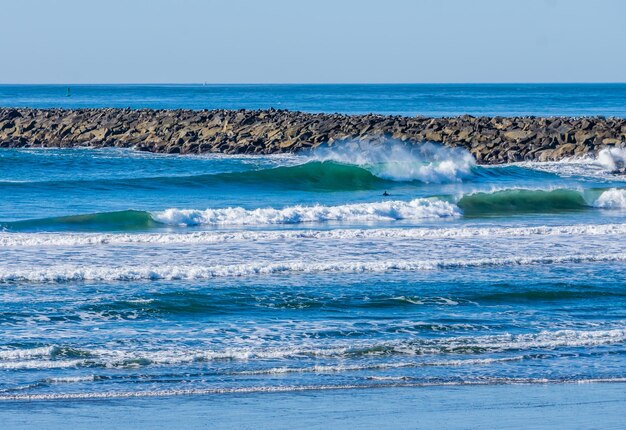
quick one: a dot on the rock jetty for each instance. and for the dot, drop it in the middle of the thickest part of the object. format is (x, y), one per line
(491, 140)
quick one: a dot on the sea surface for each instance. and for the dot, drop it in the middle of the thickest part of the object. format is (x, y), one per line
(389, 99)
(126, 274)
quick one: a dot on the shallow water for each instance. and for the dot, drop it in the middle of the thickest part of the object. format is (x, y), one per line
(546, 406)
(125, 274)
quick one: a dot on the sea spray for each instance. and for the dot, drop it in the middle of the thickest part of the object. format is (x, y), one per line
(398, 161)
(612, 159)
(611, 199)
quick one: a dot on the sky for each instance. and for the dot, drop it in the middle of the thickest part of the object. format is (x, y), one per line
(320, 41)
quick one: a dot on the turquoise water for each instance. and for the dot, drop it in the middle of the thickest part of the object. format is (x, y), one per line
(400, 99)
(127, 274)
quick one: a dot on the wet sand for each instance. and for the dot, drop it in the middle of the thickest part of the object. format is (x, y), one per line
(550, 406)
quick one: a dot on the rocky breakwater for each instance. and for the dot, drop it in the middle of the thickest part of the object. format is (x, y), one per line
(491, 140)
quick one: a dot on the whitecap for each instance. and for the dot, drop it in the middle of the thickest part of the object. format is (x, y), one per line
(397, 161)
(391, 210)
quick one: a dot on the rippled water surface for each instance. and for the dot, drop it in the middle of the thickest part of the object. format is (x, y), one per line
(397, 99)
(126, 274)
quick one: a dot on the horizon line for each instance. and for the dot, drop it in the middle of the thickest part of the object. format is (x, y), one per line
(319, 83)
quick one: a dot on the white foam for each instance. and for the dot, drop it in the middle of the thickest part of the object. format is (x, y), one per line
(380, 366)
(41, 364)
(603, 166)
(14, 354)
(611, 199)
(70, 379)
(612, 158)
(73, 273)
(297, 388)
(393, 160)
(81, 239)
(359, 212)
(423, 348)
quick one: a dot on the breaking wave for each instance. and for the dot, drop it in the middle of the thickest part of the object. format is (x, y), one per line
(608, 165)
(396, 161)
(200, 237)
(430, 350)
(298, 388)
(392, 210)
(504, 202)
(77, 273)
(611, 199)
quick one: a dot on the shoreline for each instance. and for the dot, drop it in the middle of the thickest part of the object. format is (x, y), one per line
(491, 140)
(207, 392)
(510, 407)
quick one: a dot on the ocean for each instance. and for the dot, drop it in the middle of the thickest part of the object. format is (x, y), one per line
(349, 268)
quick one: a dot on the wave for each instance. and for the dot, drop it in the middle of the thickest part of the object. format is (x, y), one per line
(312, 175)
(522, 201)
(203, 237)
(309, 176)
(102, 221)
(611, 199)
(350, 166)
(428, 349)
(612, 159)
(298, 388)
(398, 161)
(503, 202)
(77, 273)
(608, 165)
(392, 210)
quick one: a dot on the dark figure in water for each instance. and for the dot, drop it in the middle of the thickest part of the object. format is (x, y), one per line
(386, 194)
(68, 92)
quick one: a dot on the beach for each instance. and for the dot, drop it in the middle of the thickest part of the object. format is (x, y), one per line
(504, 407)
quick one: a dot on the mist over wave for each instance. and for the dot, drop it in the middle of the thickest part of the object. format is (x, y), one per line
(611, 199)
(612, 159)
(608, 165)
(397, 161)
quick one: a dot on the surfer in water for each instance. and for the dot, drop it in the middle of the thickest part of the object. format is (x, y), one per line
(386, 194)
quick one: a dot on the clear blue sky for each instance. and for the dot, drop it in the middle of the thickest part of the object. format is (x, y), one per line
(224, 41)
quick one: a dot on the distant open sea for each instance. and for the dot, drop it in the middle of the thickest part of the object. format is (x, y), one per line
(389, 99)
(354, 277)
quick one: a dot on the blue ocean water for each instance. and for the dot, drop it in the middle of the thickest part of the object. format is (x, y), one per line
(127, 274)
(396, 99)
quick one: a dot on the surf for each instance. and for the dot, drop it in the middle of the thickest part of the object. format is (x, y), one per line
(79, 273)
(472, 205)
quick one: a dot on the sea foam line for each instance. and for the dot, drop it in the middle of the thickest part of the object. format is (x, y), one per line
(297, 388)
(193, 272)
(207, 237)
(477, 345)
